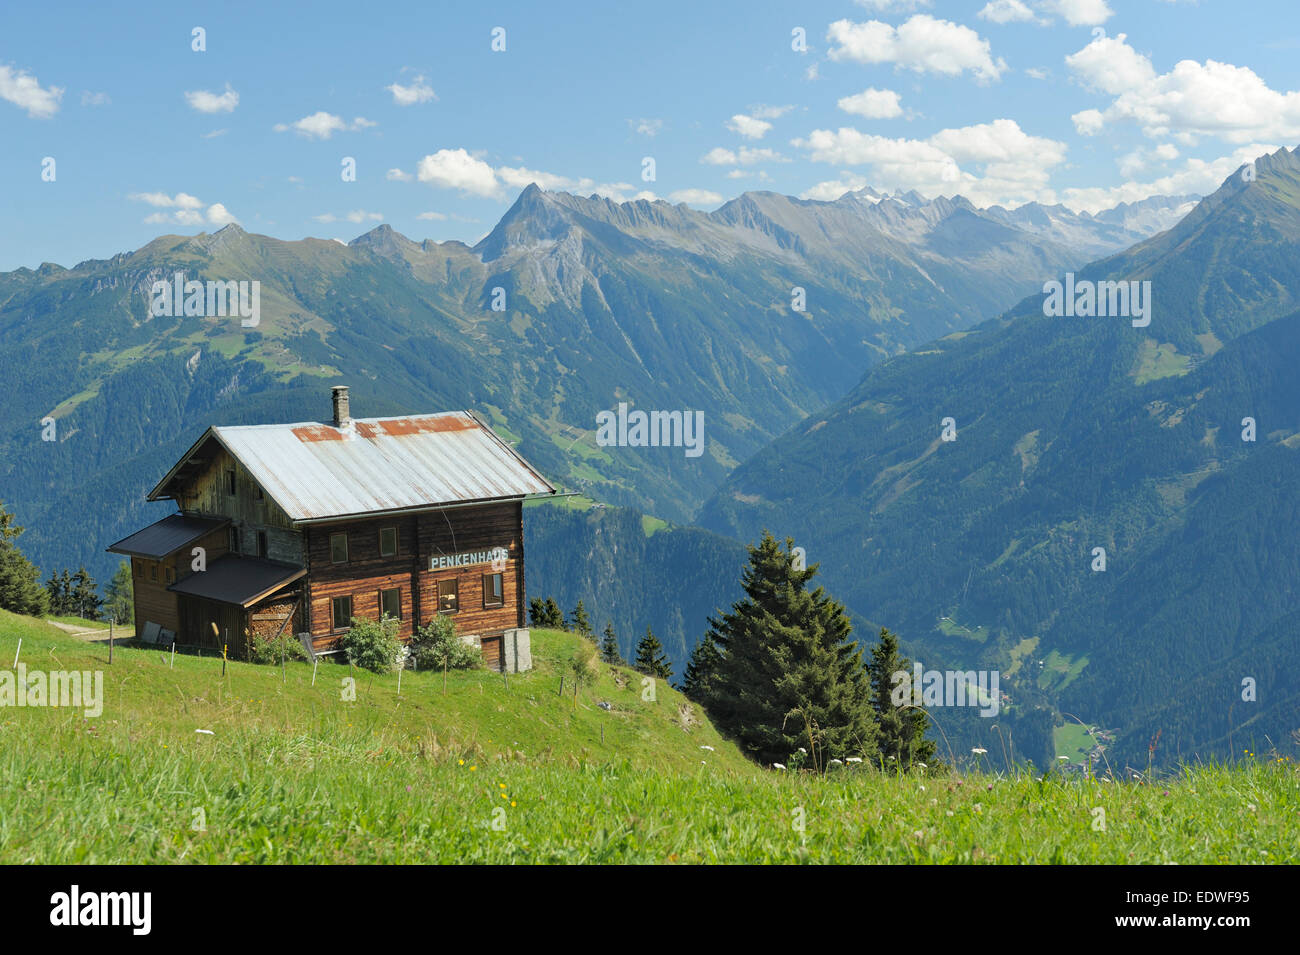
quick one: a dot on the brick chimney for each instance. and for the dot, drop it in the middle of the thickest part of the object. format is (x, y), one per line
(342, 414)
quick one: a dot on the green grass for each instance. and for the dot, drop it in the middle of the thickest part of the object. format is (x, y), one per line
(292, 773)
(1072, 740)
(1159, 360)
(83, 622)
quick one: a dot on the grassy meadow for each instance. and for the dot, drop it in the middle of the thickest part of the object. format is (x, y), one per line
(494, 772)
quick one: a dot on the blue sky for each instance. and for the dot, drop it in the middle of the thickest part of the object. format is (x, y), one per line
(1086, 102)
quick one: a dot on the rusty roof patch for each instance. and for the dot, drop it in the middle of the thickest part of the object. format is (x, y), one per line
(317, 432)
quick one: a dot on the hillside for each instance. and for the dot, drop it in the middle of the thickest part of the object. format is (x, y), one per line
(291, 774)
(653, 304)
(1073, 434)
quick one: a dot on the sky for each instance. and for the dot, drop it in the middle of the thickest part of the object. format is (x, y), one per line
(326, 119)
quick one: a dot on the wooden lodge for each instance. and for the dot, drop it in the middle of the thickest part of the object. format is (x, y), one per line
(300, 527)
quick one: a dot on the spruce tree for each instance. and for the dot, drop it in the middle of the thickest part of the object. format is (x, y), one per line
(85, 602)
(701, 670)
(20, 580)
(902, 724)
(536, 612)
(120, 605)
(554, 618)
(609, 646)
(579, 622)
(650, 657)
(789, 674)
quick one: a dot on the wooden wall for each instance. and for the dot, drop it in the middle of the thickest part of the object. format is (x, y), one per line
(208, 496)
(453, 531)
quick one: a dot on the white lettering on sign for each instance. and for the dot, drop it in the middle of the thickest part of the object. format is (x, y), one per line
(496, 556)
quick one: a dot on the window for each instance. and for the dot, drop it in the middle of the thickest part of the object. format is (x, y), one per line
(387, 541)
(339, 548)
(230, 481)
(447, 598)
(261, 543)
(493, 592)
(342, 610)
(171, 575)
(234, 539)
(390, 602)
(257, 493)
(153, 570)
(139, 568)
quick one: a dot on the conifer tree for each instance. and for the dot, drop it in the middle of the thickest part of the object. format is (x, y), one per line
(536, 612)
(119, 603)
(902, 724)
(20, 580)
(554, 618)
(789, 674)
(609, 646)
(85, 602)
(579, 622)
(650, 657)
(701, 670)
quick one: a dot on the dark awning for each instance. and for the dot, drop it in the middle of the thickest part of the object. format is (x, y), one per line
(241, 581)
(167, 536)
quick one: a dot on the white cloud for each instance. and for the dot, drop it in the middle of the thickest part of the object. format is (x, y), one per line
(206, 102)
(1007, 11)
(431, 216)
(1081, 13)
(1034, 73)
(1231, 103)
(24, 91)
(1197, 176)
(457, 169)
(1011, 166)
(357, 216)
(94, 99)
(1130, 164)
(745, 156)
(185, 209)
(418, 92)
(833, 189)
(872, 103)
(891, 6)
(322, 125)
(1110, 65)
(769, 112)
(695, 197)
(646, 127)
(396, 175)
(922, 44)
(748, 126)
(215, 133)
(218, 215)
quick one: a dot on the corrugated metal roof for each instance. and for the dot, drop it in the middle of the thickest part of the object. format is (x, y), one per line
(238, 580)
(166, 536)
(316, 471)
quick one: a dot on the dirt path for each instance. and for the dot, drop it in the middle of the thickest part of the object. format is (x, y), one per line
(93, 634)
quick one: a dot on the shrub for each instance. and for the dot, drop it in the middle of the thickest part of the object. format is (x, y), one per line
(437, 646)
(373, 645)
(267, 649)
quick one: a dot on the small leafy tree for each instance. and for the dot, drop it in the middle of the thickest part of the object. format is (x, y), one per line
(437, 645)
(271, 649)
(609, 646)
(373, 644)
(581, 671)
(650, 657)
